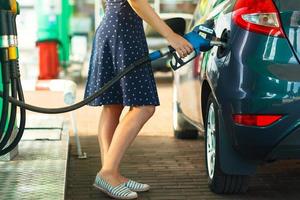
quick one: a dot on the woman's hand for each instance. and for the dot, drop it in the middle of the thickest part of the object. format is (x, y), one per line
(181, 45)
(146, 12)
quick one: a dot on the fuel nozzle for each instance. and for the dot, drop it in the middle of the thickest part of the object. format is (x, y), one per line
(218, 42)
(203, 38)
(207, 32)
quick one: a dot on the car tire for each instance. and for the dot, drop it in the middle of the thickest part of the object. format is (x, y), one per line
(182, 128)
(218, 181)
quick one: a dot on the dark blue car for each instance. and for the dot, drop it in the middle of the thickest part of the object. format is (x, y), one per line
(245, 98)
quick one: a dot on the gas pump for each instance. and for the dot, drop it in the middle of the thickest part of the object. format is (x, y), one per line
(53, 36)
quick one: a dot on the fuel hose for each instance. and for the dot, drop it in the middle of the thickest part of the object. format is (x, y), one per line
(22, 124)
(17, 88)
(13, 109)
(4, 59)
(82, 103)
(10, 78)
(5, 104)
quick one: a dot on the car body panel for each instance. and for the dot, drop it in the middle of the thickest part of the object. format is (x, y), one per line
(290, 19)
(254, 88)
(231, 162)
(255, 74)
(189, 96)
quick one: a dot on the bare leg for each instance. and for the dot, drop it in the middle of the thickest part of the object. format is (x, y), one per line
(108, 123)
(124, 135)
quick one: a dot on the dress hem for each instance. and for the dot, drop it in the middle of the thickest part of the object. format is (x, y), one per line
(124, 104)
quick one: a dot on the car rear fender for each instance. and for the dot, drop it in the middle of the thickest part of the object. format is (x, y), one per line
(230, 161)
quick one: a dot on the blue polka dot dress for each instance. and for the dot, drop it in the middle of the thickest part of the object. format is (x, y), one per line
(119, 41)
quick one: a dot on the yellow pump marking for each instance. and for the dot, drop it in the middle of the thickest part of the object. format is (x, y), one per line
(13, 53)
(14, 6)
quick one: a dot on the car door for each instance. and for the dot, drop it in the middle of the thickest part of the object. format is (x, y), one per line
(189, 89)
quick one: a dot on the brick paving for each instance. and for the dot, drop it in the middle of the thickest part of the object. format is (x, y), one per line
(174, 168)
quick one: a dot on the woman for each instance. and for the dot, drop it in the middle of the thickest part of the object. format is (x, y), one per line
(119, 41)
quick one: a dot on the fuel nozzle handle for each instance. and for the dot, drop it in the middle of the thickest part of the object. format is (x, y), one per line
(202, 38)
(207, 32)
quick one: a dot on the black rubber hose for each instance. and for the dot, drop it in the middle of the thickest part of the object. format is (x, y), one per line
(5, 79)
(89, 99)
(3, 24)
(22, 123)
(5, 5)
(13, 111)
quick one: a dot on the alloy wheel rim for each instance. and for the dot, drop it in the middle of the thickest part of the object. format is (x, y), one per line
(211, 142)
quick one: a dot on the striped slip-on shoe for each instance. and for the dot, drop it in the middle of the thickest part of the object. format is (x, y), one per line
(117, 192)
(137, 187)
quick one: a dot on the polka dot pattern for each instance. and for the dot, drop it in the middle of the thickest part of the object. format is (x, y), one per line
(119, 41)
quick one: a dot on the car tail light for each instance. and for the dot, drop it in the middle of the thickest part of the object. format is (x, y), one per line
(258, 16)
(256, 120)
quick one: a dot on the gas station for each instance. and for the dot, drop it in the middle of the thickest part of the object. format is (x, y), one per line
(48, 137)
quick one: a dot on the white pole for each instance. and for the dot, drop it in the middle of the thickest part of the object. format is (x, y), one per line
(157, 6)
(99, 12)
(81, 155)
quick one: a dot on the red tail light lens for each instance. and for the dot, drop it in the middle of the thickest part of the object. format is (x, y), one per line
(258, 16)
(256, 120)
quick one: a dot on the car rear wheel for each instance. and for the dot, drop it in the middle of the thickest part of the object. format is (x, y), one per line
(218, 181)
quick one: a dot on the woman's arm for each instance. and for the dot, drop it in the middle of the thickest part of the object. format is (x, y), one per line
(146, 12)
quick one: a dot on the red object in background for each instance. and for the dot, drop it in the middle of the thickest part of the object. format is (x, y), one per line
(48, 60)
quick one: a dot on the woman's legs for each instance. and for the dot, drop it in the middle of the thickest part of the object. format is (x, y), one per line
(124, 135)
(108, 123)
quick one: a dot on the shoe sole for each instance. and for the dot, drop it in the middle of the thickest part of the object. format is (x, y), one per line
(116, 197)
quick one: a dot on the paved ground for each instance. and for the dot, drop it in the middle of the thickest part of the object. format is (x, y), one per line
(39, 170)
(174, 168)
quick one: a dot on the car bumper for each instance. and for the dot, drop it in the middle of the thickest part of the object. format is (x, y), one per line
(288, 148)
(281, 140)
